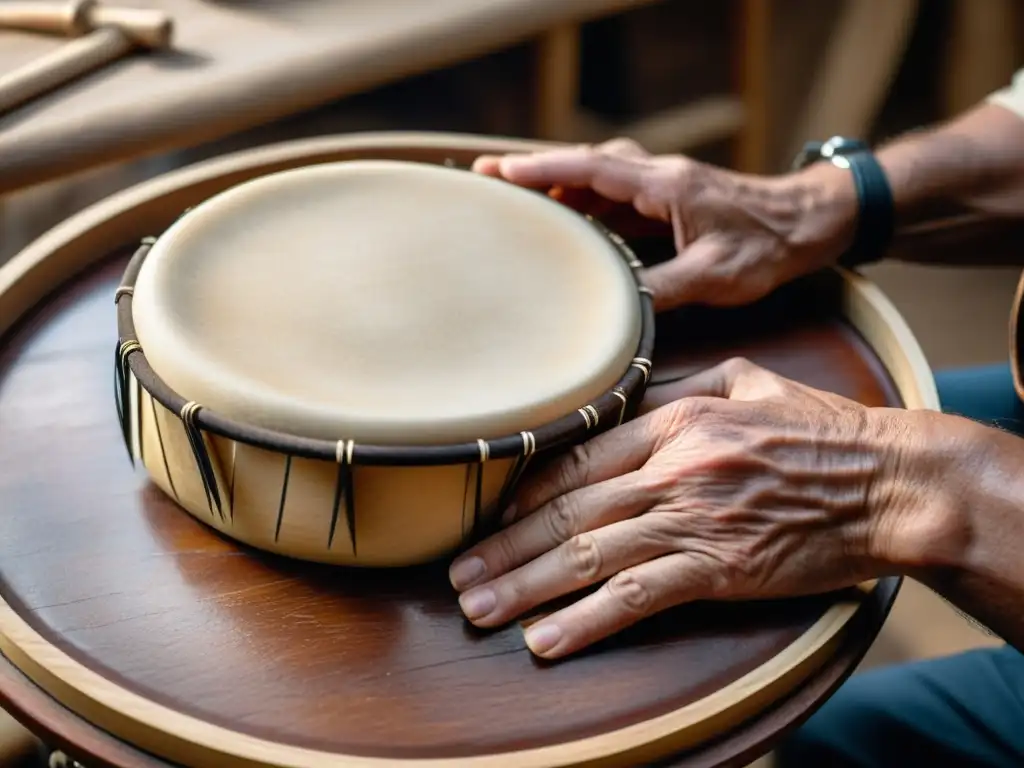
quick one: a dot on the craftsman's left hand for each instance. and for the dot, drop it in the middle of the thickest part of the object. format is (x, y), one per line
(751, 486)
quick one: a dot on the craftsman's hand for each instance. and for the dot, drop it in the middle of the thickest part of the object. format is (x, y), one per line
(751, 486)
(738, 237)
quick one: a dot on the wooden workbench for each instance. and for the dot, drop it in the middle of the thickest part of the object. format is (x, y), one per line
(238, 65)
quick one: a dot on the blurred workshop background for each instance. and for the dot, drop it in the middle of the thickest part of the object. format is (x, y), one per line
(737, 82)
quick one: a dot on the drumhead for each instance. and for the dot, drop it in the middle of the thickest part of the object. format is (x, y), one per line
(387, 302)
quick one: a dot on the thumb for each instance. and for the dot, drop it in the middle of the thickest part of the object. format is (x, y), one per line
(689, 278)
(735, 379)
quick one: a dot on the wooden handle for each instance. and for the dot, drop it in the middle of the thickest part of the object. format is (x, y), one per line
(67, 18)
(148, 28)
(70, 61)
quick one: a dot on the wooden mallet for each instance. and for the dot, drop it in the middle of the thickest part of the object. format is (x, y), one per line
(104, 33)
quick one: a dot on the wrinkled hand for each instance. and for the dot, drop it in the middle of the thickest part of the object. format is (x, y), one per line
(738, 237)
(751, 486)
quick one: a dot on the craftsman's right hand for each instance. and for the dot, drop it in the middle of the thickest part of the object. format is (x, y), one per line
(737, 237)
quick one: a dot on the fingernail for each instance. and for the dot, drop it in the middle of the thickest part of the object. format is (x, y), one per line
(512, 163)
(541, 638)
(509, 515)
(466, 573)
(478, 603)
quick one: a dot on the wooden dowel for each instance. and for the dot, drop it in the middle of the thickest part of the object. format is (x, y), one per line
(147, 27)
(72, 60)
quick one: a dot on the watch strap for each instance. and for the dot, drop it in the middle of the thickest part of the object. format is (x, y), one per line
(875, 206)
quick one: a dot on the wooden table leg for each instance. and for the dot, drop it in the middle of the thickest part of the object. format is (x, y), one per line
(558, 83)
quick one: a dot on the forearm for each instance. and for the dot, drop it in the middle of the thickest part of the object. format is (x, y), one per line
(956, 519)
(958, 190)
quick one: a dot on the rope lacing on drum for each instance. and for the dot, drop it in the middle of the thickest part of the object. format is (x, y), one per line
(343, 453)
(478, 486)
(644, 365)
(189, 412)
(529, 447)
(620, 393)
(122, 397)
(590, 415)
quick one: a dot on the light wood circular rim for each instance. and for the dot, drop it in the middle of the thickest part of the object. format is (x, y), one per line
(1016, 319)
(64, 252)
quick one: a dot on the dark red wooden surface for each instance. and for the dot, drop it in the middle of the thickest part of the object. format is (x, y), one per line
(373, 663)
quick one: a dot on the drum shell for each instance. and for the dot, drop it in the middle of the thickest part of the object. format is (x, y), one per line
(398, 515)
(336, 503)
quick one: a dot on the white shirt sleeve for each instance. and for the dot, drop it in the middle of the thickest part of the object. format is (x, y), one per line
(1012, 96)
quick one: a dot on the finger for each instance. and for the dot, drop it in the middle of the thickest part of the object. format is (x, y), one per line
(611, 454)
(734, 379)
(689, 278)
(616, 177)
(487, 165)
(628, 597)
(624, 147)
(557, 522)
(580, 562)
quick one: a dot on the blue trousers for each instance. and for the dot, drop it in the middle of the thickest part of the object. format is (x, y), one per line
(964, 710)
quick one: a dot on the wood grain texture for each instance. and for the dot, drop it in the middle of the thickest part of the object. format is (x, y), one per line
(365, 662)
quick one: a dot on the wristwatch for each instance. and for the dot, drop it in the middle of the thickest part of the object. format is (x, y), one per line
(875, 216)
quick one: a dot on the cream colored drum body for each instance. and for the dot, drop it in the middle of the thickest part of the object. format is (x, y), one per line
(354, 362)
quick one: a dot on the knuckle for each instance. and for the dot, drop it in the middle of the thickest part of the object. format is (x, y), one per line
(676, 170)
(584, 557)
(623, 145)
(505, 552)
(573, 468)
(629, 592)
(738, 366)
(563, 518)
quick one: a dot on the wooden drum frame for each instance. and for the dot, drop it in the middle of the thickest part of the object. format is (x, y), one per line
(207, 461)
(134, 636)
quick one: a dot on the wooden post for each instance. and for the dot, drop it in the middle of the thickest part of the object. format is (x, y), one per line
(558, 83)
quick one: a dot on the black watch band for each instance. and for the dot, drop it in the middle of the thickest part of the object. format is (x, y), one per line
(876, 216)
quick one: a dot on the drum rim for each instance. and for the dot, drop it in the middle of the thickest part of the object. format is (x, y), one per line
(610, 408)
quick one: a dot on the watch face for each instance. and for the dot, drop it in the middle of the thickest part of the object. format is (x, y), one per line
(838, 145)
